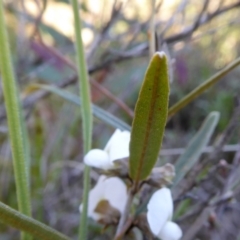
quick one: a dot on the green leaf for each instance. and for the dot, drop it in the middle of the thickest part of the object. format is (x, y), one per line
(196, 146)
(16, 125)
(150, 118)
(97, 111)
(24, 223)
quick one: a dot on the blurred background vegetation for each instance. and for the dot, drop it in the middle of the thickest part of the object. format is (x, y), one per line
(199, 37)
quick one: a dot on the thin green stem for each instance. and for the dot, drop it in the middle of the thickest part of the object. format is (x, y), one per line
(22, 222)
(201, 88)
(17, 131)
(86, 111)
(83, 80)
(83, 231)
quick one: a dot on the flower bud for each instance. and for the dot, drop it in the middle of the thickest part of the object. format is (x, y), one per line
(161, 176)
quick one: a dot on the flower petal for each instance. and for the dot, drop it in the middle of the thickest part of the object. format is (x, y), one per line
(118, 145)
(112, 138)
(96, 194)
(111, 189)
(98, 158)
(170, 231)
(116, 193)
(160, 209)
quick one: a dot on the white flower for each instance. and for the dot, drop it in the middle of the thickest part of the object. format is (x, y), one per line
(159, 215)
(111, 189)
(116, 148)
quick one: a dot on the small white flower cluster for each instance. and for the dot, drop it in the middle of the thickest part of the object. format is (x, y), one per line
(113, 189)
(159, 215)
(116, 148)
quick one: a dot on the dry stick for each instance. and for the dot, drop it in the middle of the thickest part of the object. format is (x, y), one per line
(125, 222)
(213, 30)
(231, 128)
(38, 19)
(209, 205)
(30, 100)
(176, 37)
(189, 30)
(116, 9)
(202, 211)
(141, 50)
(116, 100)
(197, 225)
(199, 18)
(234, 172)
(214, 155)
(170, 22)
(125, 228)
(233, 123)
(171, 39)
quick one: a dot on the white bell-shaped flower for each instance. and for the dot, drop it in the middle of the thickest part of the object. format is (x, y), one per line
(110, 189)
(159, 215)
(116, 148)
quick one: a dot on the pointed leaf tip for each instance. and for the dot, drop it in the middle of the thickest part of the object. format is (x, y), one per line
(215, 115)
(161, 54)
(150, 118)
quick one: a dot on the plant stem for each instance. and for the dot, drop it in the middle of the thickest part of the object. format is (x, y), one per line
(124, 216)
(22, 222)
(201, 88)
(17, 131)
(86, 112)
(83, 80)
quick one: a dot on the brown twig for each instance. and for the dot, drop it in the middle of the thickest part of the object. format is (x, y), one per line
(214, 156)
(189, 31)
(139, 50)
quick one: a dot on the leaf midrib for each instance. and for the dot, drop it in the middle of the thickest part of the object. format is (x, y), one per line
(149, 122)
